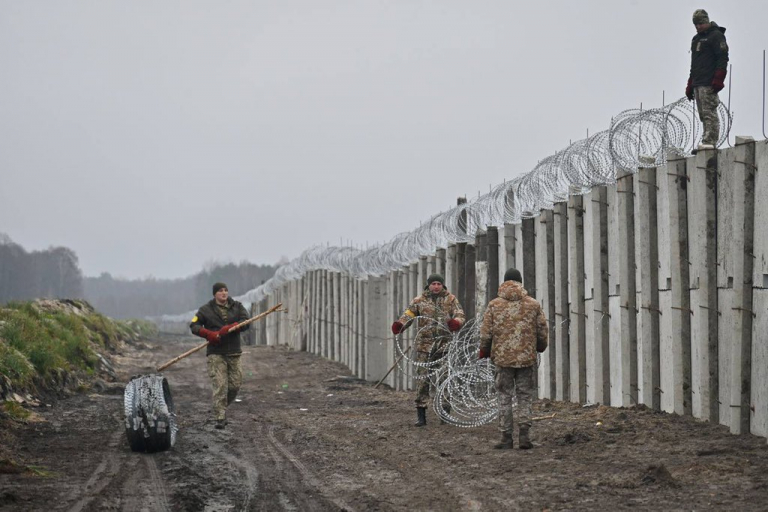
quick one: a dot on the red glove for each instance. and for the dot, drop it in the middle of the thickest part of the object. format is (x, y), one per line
(454, 325)
(397, 327)
(483, 354)
(718, 81)
(224, 330)
(212, 336)
(689, 89)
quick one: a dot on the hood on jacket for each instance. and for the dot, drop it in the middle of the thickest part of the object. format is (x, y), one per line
(512, 291)
(713, 25)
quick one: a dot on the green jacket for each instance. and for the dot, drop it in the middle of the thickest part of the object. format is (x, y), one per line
(213, 317)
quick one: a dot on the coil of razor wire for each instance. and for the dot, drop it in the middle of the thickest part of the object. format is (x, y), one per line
(464, 395)
(636, 139)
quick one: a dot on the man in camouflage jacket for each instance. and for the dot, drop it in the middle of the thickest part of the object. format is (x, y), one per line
(709, 65)
(213, 321)
(514, 329)
(439, 314)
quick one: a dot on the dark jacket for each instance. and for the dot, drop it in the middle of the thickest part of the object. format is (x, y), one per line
(709, 52)
(211, 317)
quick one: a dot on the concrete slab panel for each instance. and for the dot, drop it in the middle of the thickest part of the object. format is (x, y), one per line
(759, 380)
(667, 340)
(760, 270)
(702, 240)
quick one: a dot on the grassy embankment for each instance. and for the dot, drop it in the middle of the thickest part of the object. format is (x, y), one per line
(47, 345)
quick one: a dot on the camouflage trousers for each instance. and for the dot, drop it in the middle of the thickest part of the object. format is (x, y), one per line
(226, 376)
(424, 383)
(515, 384)
(707, 102)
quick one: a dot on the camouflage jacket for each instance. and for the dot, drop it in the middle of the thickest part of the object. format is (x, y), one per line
(437, 310)
(214, 317)
(514, 327)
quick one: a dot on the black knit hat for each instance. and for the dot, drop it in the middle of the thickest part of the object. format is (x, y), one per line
(513, 275)
(219, 286)
(435, 277)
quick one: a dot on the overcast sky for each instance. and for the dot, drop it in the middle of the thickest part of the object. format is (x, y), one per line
(152, 137)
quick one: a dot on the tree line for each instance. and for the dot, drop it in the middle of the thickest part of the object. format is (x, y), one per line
(52, 273)
(121, 298)
(55, 273)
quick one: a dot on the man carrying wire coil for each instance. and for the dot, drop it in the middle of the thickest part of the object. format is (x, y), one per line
(438, 314)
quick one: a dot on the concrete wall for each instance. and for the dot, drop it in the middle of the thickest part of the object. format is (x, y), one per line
(655, 289)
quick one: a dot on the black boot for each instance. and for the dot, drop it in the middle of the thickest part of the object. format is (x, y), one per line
(524, 441)
(506, 442)
(421, 412)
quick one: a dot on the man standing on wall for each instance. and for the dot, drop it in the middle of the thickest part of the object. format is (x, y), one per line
(436, 309)
(514, 329)
(709, 62)
(215, 321)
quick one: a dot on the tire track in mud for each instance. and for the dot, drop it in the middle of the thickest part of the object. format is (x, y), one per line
(157, 491)
(101, 477)
(306, 475)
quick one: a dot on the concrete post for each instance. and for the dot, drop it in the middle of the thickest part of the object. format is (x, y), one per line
(481, 274)
(378, 353)
(440, 264)
(510, 251)
(344, 320)
(494, 280)
(470, 280)
(759, 393)
(430, 265)
(451, 277)
(576, 299)
(647, 255)
(562, 307)
(702, 225)
(461, 274)
(392, 312)
(628, 295)
(422, 273)
(526, 252)
(675, 325)
(337, 355)
(736, 202)
(598, 344)
(545, 293)
(314, 307)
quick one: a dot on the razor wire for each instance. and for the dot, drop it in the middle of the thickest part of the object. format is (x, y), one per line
(464, 390)
(636, 139)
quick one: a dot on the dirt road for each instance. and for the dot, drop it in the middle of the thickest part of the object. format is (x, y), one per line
(305, 437)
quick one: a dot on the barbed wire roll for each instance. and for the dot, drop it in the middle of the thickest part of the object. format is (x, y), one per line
(150, 418)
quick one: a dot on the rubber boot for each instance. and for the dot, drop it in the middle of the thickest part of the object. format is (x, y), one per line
(421, 412)
(506, 442)
(523, 440)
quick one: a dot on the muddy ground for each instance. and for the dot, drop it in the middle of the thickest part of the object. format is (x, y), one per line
(304, 437)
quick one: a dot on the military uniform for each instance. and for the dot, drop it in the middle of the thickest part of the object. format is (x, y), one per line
(709, 55)
(224, 367)
(514, 329)
(432, 337)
